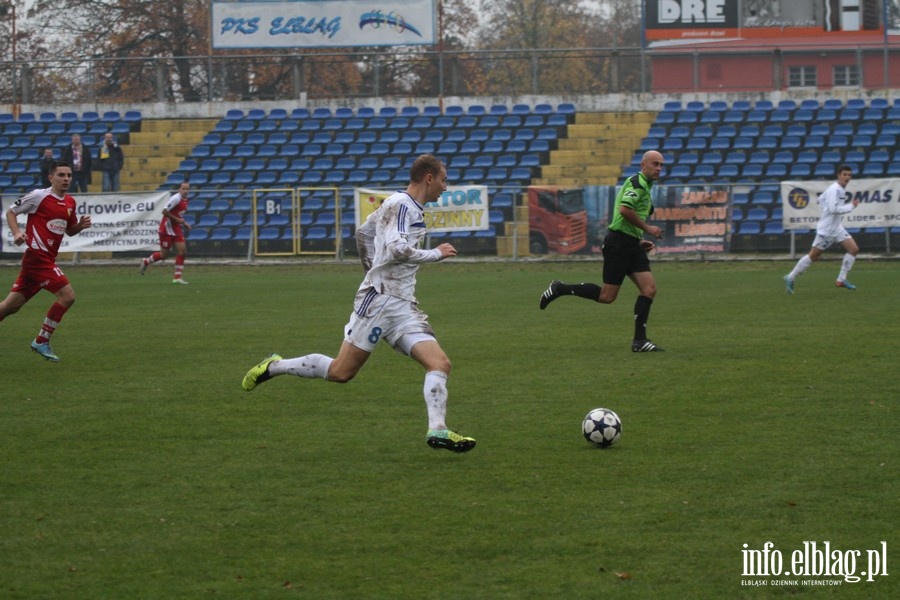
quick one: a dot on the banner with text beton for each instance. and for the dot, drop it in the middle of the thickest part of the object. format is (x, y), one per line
(119, 223)
(879, 203)
(460, 208)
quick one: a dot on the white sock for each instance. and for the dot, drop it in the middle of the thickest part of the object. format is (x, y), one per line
(802, 265)
(310, 366)
(846, 265)
(436, 399)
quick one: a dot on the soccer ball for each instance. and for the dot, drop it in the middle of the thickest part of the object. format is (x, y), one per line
(601, 427)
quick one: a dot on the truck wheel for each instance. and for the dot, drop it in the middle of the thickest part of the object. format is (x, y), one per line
(537, 245)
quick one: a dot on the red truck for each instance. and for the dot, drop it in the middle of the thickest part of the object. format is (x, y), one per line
(557, 220)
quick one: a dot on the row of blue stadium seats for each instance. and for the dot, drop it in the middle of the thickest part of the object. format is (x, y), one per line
(81, 128)
(757, 213)
(311, 233)
(209, 220)
(776, 227)
(339, 178)
(788, 157)
(406, 111)
(523, 134)
(871, 128)
(356, 124)
(769, 143)
(761, 173)
(776, 116)
(390, 136)
(245, 233)
(20, 142)
(110, 116)
(349, 163)
(21, 159)
(786, 104)
(234, 201)
(378, 149)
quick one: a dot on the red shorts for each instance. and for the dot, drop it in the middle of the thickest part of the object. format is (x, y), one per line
(167, 241)
(37, 275)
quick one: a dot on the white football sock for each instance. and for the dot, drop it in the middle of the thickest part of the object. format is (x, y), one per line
(310, 366)
(436, 399)
(846, 265)
(802, 265)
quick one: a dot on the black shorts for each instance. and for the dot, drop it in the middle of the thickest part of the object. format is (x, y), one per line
(622, 256)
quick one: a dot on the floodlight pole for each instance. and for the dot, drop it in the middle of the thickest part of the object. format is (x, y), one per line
(440, 33)
(11, 6)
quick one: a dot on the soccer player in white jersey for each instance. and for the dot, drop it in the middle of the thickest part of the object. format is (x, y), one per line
(385, 307)
(835, 203)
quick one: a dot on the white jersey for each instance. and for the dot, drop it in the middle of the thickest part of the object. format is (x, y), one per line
(388, 245)
(835, 203)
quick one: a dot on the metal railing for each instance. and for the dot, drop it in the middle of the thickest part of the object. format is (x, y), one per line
(381, 73)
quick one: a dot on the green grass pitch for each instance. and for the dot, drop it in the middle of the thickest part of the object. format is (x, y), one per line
(138, 468)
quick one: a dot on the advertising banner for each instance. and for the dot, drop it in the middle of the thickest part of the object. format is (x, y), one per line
(119, 223)
(879, 203)
(669, 22)
(694, 220)
(460, 208)
(322, 23)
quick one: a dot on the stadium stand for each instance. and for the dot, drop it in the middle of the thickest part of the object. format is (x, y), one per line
(346, 148)
(759, 145)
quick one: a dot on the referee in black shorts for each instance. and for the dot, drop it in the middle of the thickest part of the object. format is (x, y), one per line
(625, 253)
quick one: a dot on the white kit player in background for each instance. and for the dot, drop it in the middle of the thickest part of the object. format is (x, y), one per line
(385, 306)
(834, 203)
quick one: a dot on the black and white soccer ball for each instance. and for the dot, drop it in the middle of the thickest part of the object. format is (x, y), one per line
(601, 427)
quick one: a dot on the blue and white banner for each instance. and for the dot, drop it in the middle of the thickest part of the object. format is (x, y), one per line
(322, 23)
(879, 203)
(119, 222)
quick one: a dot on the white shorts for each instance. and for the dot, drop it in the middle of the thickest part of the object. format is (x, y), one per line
(376, 316)
(824, 242)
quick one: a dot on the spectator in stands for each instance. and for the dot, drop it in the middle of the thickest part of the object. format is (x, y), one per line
(110, 160)
(46, 209)
(625, 253)
(835, 203)
(46, 162)
(79, 156)
(171, 235)
(385, 306)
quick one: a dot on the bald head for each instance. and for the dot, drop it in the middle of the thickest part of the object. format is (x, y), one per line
(651, 164)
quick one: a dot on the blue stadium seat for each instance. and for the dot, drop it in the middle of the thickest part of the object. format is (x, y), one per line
(800, 171)
(773, 228)
(874, 169)
(679, 172)
(687, 158)
(735, 158)
(727, 172)
(704, 171)
(749, 227)
(316, 233)
(755, 116)
(776, 171)
(825, 169)
(760, 157)
(198, 234)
